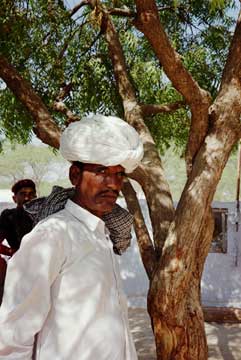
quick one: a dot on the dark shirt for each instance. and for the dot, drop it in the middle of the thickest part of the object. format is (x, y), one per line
(14, 224)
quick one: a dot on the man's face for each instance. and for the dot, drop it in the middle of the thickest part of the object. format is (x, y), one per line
(97, 186)
(23, 195)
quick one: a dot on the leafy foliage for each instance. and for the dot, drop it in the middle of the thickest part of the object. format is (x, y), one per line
(56, 51)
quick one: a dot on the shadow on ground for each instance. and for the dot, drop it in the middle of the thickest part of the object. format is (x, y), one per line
(224, 341)
(142, 334)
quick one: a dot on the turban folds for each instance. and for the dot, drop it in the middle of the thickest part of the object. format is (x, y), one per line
(105, 140)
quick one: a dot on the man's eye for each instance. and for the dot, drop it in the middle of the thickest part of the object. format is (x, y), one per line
(100, 171)
(121, 174)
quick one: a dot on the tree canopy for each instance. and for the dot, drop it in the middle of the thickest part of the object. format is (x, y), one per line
(63, 54)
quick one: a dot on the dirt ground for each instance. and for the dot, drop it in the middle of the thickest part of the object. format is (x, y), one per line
(224, 340)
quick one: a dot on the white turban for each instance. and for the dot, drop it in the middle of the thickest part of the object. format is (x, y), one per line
(105, 140)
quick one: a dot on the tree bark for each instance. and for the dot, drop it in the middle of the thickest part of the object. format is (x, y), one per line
(153, 109)
(177, 316)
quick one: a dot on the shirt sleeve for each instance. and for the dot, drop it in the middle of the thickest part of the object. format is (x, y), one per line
(4, 224)
(8, 227)
(27, 291)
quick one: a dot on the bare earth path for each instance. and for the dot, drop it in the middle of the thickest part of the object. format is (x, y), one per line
(224, 340)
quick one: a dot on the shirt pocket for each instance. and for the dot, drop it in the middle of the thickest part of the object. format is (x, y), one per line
(78, 252)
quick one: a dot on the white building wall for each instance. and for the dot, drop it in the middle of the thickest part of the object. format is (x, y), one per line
(6, 196)
(221, 281)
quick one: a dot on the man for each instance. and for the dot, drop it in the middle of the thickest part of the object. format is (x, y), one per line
(119, 221)
(15, 223)
(70, 295)
(29, 213)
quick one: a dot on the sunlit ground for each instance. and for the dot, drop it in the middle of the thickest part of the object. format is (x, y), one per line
(224, 341)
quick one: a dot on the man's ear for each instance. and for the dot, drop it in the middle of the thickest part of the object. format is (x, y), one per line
(74, 174)
(14, 198)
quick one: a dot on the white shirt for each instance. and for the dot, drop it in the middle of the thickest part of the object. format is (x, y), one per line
(64, 284)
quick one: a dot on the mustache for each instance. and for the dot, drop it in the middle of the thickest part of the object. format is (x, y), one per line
(114, 192)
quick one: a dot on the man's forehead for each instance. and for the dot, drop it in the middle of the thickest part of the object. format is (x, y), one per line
(88, 166)
(26, 189)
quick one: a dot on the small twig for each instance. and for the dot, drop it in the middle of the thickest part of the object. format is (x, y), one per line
(153, 109)
(79, 6)
(122, 12)
(61, 107)
(65, 90)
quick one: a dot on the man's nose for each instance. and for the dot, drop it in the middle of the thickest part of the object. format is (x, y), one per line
(113, 182)
(27, 197)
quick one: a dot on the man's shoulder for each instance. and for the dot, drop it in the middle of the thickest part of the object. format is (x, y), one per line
(59, 223)
(8, 212)
(14, 214)
(7, 223)
(60, 215)
(55, 220)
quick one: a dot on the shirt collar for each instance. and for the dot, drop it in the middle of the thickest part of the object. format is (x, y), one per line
(85, 216)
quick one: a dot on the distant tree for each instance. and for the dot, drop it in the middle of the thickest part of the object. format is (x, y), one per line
(27, 162)
(133, 58)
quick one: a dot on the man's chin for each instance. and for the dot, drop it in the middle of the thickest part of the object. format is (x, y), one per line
(107, 206)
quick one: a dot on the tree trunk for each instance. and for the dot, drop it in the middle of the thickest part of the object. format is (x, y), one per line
(174, 295)
(179, 325)
(180, 342)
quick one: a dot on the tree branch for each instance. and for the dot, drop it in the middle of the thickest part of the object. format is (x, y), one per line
(227, 105)
(122, 12)
(153, 109)
(232, 70)
(78, 7)
(61, 107)
(66, 44)
(148, 22)
(45, 127)
(64, 91)
(142, 235)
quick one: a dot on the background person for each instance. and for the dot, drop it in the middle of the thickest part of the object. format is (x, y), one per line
(15, 223)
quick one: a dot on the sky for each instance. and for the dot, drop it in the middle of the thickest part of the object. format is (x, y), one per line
(71, 3)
